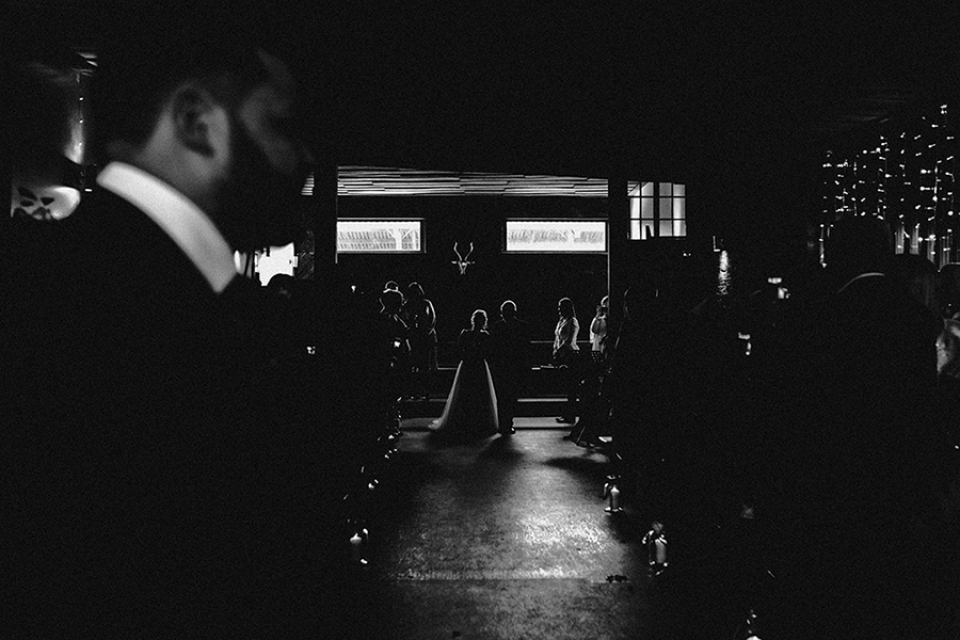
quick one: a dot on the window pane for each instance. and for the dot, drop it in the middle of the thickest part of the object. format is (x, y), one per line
(679, 228)
(634, 208)
(646, 189)
(666, 188)
(633, 188)
(679, 208)
(679, 189)
(556, 236)
(666, 229)
(666, 207)
(379, 236)
(646, 208)
(648, 230)
(634, 229)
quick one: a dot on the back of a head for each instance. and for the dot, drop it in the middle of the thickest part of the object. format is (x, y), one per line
(909, 266)
(391, 300)
(140, 64)
(566, 308)
(859, 245)
(479, 319)
(414, 291)
(508, 310)
(282, 283)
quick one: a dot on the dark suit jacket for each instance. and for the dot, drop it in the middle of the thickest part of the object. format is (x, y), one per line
(870, 363)
(154, 479)
(511, 346)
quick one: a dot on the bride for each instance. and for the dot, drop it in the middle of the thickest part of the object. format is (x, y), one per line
(471, 409)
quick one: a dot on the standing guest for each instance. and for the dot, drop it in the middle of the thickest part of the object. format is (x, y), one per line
(865, 454)
(422, 322)
(395, 332)
(511, 361)
(592, 406)
(598, 327)
(157, 494)
(566, 353)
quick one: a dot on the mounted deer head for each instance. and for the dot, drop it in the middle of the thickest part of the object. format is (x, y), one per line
(462, 262)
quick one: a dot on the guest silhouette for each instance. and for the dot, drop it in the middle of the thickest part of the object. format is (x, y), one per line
(511, 362)
(863, 451)
(565, 355)
(421, 320)
(598, 327)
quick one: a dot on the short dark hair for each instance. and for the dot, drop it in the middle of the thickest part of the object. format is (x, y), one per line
(138, 68)
(858, 245)
(391, 299)
(414, 290)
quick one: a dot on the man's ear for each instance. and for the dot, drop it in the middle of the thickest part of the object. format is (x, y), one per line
(194, 112)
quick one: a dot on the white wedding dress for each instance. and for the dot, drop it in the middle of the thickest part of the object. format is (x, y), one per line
(471, 409)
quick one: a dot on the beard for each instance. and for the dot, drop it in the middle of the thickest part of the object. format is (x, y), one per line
(262, 207)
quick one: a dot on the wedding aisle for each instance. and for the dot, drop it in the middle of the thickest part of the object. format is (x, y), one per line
(506, 537)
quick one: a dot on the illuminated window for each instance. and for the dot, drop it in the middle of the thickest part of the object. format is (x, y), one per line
(380, 236)
(657, 210)
(556, 236)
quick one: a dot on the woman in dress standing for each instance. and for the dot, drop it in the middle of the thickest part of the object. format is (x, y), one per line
(565, 355)
(598, 327)
(422, 320)
(471, 409)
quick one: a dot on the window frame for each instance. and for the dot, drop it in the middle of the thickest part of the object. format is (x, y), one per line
(660, 203)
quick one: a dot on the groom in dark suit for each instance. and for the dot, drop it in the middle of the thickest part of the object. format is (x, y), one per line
(154, 494)
(511, 362)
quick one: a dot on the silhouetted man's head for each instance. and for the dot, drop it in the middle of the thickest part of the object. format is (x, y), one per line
(415, 291)
(391, 301)
(508, 310)
(859, 245)
(216, 118)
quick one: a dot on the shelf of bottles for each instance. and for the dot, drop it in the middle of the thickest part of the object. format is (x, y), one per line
(908, 178)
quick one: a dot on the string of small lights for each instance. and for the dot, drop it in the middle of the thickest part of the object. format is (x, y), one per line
(908, 179)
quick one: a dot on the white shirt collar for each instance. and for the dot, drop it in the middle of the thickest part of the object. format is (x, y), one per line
(872, 274)
(186, 224)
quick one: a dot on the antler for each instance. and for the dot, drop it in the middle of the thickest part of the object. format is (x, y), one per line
(457, 251)
(468, 254)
